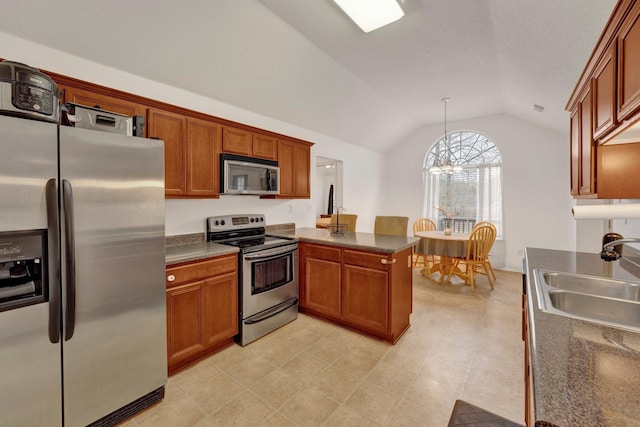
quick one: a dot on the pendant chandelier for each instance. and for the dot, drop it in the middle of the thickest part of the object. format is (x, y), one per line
(445, 163)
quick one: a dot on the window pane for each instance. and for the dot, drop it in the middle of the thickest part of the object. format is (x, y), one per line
(470, 196)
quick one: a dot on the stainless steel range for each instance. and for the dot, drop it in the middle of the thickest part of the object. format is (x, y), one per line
(268, 273)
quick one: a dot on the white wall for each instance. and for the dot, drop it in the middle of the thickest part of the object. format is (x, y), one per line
(590, 231)
(362, 168)
(537, 204)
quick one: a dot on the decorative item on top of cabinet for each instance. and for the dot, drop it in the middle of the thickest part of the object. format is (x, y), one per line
(294, 160)
(202, 309)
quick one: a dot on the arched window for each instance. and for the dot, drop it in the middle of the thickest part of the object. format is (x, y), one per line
(468, 187)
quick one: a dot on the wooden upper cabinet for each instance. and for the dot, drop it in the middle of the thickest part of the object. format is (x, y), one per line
(587, 146)
(265, 147)
(105, 102)
(202, 158)
(629, 64)
(575, 150)
(604, 95)
(302, 170)
(236, 141)
(294, 160)
(246, 143)
(172, 129)
(583, 149)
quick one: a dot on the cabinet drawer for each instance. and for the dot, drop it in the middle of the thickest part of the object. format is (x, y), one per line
(200, 270)
(365, 259)
(322, 252)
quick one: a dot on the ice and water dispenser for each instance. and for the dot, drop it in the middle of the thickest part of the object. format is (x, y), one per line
(22, 265)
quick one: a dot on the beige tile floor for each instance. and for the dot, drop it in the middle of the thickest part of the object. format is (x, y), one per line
(461, 345)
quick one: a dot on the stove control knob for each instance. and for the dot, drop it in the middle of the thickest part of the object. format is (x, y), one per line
(251, 220)
(217, 223)
(261, 219)
(222, 222)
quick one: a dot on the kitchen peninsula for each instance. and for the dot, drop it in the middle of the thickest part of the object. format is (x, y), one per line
(359, 280)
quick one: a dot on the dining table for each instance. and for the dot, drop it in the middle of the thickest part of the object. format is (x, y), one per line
(446, 247)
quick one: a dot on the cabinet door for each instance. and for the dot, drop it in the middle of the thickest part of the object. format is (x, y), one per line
(629, 64)
(184, 337)
(322, 287)
(202, 158)
(105, 102)
(365, 300)
(604, 95)
(286, 162)
(575, 150)
(219, 308)
(171, 128)
(294, 160)
(265, 147)
(236, 141)
(587, 147)
(302, 165)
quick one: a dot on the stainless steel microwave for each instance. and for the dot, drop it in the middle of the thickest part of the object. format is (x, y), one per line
(248, 175)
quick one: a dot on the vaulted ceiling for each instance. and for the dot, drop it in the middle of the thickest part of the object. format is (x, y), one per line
(304, 62)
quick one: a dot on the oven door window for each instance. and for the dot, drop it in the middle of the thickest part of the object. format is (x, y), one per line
(271, 273)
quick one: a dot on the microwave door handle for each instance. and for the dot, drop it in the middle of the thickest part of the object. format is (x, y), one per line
(53, 255)
(70, 262)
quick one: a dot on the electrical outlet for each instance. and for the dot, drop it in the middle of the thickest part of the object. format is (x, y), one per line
(309, 207)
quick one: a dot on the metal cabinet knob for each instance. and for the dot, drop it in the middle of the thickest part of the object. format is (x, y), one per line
(385, 261)
(171, 278)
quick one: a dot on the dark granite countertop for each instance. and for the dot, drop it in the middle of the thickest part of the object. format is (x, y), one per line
(583, 373)
(193, 247)
(355, 240)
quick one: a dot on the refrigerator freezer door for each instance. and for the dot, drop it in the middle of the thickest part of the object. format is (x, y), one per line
(117, 352)
(30, 372)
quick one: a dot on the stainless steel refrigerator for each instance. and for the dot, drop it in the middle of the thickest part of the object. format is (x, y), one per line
(82, 260)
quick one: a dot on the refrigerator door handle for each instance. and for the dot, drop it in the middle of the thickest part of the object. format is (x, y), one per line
(51, 193)
(70, 262)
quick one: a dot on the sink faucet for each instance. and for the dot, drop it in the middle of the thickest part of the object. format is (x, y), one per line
(608, 249)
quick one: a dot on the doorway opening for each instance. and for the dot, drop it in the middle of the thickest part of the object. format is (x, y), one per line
(329, 185)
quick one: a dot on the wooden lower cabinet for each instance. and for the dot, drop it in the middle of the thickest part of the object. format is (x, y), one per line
(368, 291)
(366, 297)
(202, 309)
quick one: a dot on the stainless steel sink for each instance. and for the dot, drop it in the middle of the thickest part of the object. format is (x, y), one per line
(610, 302)
(593, 285)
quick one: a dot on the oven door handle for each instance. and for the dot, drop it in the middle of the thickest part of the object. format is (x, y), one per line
(270, 253)
(273, 311)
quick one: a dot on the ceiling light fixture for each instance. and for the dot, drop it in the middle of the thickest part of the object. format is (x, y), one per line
(370, 15)
(445, 164)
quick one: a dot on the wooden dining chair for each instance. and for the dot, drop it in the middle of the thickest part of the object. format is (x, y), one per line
(478, 246)
(428, 260)
(493, 273)
(392, 225)
(349, 219)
